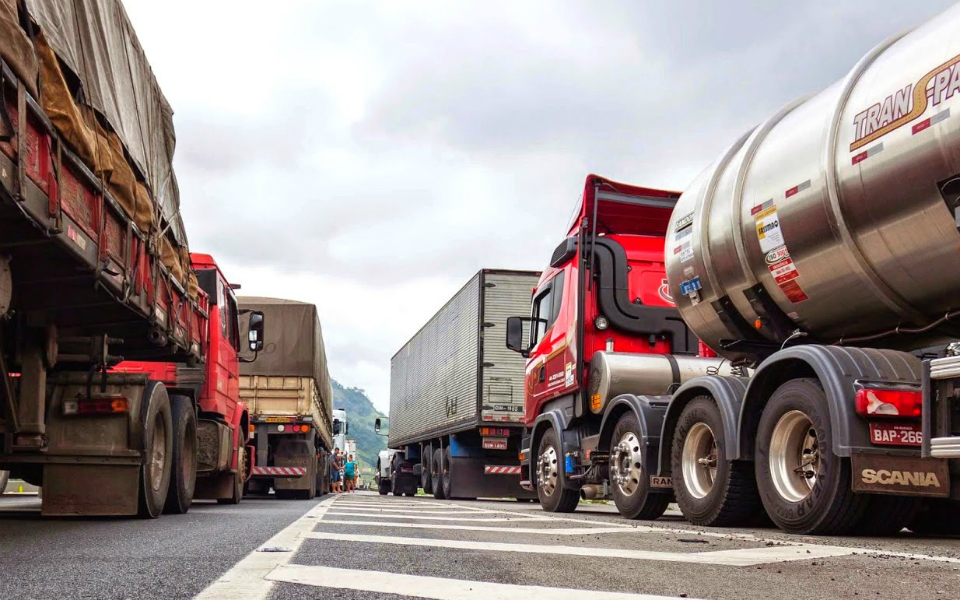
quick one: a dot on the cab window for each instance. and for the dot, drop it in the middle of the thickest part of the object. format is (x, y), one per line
(546, 307)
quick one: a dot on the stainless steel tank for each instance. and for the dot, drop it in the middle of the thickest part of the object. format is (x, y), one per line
(612, 374)
(836, 216)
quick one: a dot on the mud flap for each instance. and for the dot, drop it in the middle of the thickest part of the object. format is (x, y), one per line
(90, 490)
(901, 475)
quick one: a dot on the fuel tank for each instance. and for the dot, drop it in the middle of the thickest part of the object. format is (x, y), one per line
(837, 216)
(612, 374)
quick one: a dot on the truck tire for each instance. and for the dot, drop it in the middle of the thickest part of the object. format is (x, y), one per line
(426, 474)
(156, 466)
(437, 476)
(804, 486)
(4, 478)
(710, 490)
(629, 480)
(446, 481)
(240, 477)
(936, 516)
(183, 477)
(384, 487)
(549, 477)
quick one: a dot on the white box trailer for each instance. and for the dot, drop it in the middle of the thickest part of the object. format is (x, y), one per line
(456, 394)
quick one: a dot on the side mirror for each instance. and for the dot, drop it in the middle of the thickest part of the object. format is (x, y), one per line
(255, 331)
(376, 426)
(346, 428)
(516, 326)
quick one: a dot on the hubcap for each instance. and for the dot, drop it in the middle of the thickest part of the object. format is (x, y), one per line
(626, 464)
(547, 471)
(699, 460)
(158, 454)
(794, 456)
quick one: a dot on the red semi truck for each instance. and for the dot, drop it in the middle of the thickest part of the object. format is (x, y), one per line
(95, 271)
(819, 258)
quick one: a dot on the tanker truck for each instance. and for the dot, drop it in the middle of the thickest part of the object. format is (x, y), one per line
(290, 397)
(777, 338)
(118, 348)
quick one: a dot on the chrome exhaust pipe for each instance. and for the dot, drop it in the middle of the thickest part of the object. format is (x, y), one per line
(592, 491)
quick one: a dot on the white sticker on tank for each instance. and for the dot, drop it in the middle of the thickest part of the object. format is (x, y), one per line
(686, 252)
(768, 229)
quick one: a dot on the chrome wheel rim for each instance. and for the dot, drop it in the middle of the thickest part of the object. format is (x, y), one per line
(699, 460)
(158, 454)
(626, 464)
(547, 473)
(794, 456)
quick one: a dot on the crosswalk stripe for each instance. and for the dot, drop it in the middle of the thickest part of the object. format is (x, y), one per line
(437, 588)
(426, 517)
(746, 557)
(431, 511)
(547, 531)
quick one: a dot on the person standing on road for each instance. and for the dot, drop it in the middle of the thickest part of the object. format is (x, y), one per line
(335, 470)
(350, 473)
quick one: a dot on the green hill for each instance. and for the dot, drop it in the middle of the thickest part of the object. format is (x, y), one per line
(360, 416)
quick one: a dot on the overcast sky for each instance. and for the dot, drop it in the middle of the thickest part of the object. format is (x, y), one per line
(369, 157)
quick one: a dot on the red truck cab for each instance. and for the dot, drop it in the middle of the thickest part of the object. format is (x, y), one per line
(605, 293)
(211, 391)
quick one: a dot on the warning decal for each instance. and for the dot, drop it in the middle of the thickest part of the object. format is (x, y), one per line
(785, 273)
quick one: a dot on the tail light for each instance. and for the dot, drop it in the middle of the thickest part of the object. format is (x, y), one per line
(889, 403)
(305, 428)
(495, 431)
(95, 406)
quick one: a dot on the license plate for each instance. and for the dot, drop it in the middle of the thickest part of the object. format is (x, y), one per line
(494, 444)
(896, 434)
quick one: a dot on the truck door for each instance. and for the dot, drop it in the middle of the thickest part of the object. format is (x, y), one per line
(227, 386)
(547, 374)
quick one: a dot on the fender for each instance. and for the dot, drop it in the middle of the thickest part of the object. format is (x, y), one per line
(554, 418)
(838, 369)
(650, 412)
(726, 391)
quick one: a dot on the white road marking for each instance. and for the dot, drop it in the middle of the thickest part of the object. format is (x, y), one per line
(746, 557)
(566, 531)
(246, 580)
(431, 511)
(437, 588)
(429, 517)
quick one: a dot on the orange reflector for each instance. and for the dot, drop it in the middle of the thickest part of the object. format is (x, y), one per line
(757, 324)
(252, 428)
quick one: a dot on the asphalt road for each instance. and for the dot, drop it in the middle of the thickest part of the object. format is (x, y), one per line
(364, 546)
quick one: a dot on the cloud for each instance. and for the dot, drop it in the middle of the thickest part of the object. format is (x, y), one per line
(371, 156)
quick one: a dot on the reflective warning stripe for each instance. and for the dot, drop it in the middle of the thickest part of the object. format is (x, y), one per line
(279, 471)
(497, 470)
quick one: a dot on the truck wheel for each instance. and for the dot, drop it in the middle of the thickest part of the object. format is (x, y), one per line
(157, 452)
(805, 487)
(4, 478)
(240, 476)
(426, 474)
(936, 516)
(183, 479)
(549, 477)
(384, 487)
(710, 490)
(437, 476)
(446, 479)
(628, 478)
